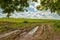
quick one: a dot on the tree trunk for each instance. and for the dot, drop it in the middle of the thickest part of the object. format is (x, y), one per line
(8, 15)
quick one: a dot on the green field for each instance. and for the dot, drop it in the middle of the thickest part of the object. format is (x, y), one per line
(29, 20)
(16, 23)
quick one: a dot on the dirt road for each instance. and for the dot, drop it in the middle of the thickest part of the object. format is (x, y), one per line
(45, 32)
(42, 32)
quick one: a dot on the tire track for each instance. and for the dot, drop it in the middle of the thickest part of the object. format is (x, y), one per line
(42, 32)
(28, 35)
(7, 34)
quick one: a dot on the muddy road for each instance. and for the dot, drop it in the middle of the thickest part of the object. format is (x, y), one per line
(42, 32)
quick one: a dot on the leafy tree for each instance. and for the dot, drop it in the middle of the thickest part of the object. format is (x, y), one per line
(9, 6)
(34, 0)
(52, 5)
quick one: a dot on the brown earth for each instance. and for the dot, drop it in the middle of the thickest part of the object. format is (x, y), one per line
(44, 32)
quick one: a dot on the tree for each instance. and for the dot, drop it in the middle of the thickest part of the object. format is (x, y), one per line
(34, 0)
(9, 6)
(52, 5)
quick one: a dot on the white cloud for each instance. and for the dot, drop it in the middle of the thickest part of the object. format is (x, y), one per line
(35, 15)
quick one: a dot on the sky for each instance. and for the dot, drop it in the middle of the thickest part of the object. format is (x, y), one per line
(33, 13)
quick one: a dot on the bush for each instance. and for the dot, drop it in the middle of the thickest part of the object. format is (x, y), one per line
(25, 22)
(58, 26)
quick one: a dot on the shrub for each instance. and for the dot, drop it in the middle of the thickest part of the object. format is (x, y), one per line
(58, 26)
(25, 22)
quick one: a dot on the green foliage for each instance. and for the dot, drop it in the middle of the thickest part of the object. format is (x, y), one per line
(25, 22)
(34, 0)
(9, 6)
(57, 25)
(53, 5)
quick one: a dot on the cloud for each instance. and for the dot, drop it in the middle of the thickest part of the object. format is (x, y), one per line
(37, 15)
(33, 13)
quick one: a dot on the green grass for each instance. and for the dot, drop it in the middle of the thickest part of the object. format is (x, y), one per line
(15, 23)
(29, 20)
(56, 27)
